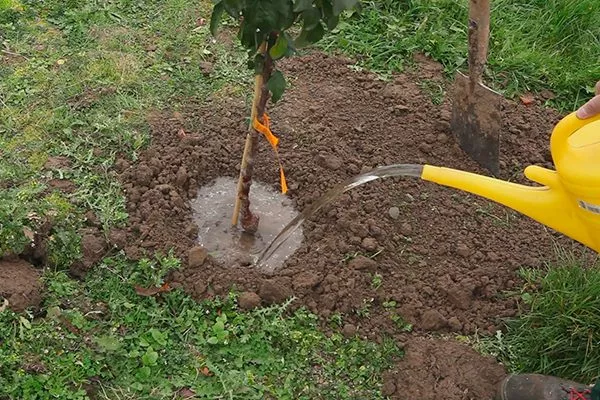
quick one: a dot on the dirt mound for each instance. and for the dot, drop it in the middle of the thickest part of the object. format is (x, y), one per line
(435, 369)
(20, 284)
(443, 256)
(389, 254)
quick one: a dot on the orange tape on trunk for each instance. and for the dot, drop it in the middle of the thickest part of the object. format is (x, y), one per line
(274, 141)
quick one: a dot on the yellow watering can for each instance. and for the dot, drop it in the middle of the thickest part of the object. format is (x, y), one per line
(568, 200)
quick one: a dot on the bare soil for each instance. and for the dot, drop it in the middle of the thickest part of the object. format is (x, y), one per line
(20, 285)
(444, 257)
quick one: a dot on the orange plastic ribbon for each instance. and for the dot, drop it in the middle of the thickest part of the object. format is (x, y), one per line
(274, 141)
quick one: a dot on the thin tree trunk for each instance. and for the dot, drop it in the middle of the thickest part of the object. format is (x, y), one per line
(249, 221)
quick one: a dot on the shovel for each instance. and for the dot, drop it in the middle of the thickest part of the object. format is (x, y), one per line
(476, 119)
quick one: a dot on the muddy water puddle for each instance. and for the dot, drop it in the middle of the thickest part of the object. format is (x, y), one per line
(230, 246)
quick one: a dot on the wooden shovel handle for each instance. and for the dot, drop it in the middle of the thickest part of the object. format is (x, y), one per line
(479, 34)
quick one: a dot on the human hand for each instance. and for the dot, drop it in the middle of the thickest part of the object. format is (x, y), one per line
(592, 107)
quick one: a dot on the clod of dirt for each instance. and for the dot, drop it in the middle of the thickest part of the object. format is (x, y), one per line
(206, 67)
(388, 388)
(363, 263)
(400, 109)
(196, 256)
(435, 369)
(307, 280)
(91, 219)
(455, 324)
(349, 330)
(369, 244)
(459, 297)
(121, 165)
(93, 249)
(182, 177)
(406, 229)
(462, 250)
(144, 174)
(117, 238)
(58, 163)
(432, 320)
(392, 91)
(248, 300)
(394, 212)
(425, 147)
(330, 161)
(63, 185)
(273, 292)
(20, 284)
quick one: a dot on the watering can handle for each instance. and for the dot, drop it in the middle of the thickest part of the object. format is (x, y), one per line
(563, 130)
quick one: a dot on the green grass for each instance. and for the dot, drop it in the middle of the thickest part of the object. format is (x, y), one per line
(558, 332)
(100, 336)
(535, 44)
(78, 82)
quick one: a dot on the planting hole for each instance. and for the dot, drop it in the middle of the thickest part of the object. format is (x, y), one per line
(230, 246)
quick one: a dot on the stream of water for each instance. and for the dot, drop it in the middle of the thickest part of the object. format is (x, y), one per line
(412, 170)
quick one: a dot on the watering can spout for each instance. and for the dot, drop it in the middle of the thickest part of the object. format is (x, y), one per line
(567, 200)
(547, 204)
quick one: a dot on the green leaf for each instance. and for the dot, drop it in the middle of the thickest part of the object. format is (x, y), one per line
(143, 373)
(233, 7)
(213, 340)
(308, 37)
(332, 22)
(215, 18)
(301, 5)
(25, 322)
(248, 36)
(280, 48)
(330, 17)
(150, 357)
(276, 85)
(311, 18)
(108, 343)
(158, 336)
(342, 5)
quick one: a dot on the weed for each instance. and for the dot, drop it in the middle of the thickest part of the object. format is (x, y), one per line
(376, 281)
(488, 211)
(398, 320)
(365, 309)
(401, 323)
(434, 90)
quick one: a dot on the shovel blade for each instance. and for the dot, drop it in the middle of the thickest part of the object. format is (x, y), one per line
(476, 122)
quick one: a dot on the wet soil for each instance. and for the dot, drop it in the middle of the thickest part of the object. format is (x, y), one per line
(227, 244)
(439, 258)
